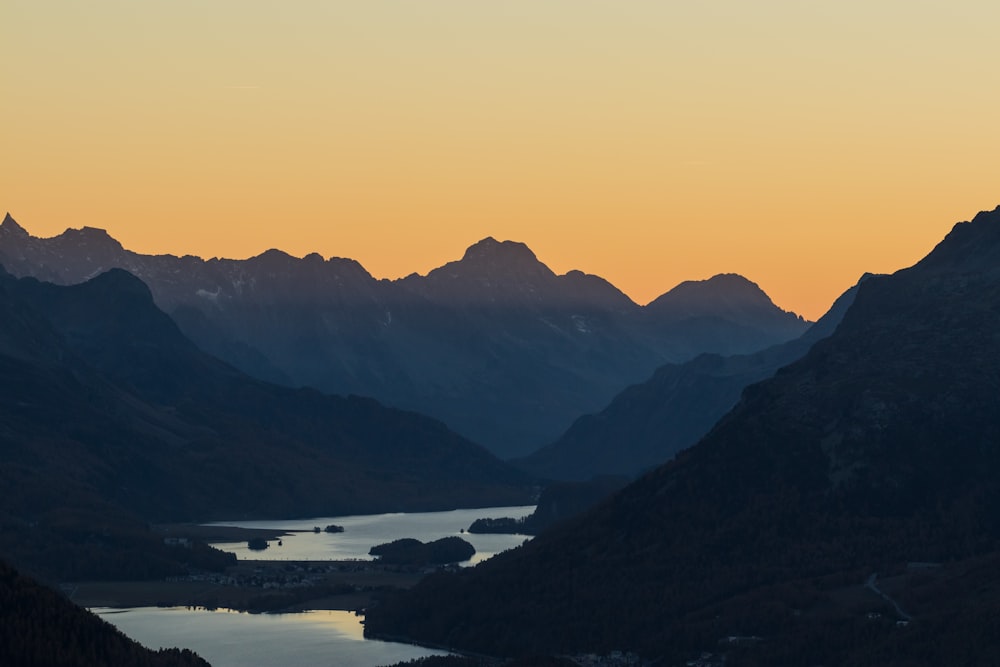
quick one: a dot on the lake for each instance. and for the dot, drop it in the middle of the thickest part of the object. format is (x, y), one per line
(362, 532)
(319, 638)
(234, 639)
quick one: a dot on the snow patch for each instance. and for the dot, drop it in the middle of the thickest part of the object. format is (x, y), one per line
(211, 296)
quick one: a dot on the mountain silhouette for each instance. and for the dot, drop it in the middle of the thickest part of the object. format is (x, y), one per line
(696, 310)
(875, 453)
(112, 417)
(495, 344)
(648, 423)
(41, 627)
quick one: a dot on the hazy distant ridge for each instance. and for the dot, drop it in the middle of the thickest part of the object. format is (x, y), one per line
(497, 345)
(649, 423)
(113, 419)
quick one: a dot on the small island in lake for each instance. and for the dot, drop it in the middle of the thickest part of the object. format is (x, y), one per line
(408, 551)
(334, 528)
(257, 544)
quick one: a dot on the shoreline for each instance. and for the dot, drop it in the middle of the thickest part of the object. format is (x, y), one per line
(255, 587)
(207, 534)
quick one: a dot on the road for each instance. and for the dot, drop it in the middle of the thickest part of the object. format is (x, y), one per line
(871, 584)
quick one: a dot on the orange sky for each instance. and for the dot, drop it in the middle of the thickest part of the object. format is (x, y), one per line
(798, 143)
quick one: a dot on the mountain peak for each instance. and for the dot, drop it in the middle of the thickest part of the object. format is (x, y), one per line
(491, 271)
(91, 236)
(970, 246)
(987, 215)
(489, 250)
(273, 255)
(732, 288)
(120, 279)
(725, 297)
(10, 226)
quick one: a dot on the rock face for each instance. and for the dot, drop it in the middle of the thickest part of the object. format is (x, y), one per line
(498, 346)
(876, 449)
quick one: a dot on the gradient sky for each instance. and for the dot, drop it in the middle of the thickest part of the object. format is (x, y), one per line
(798, 142)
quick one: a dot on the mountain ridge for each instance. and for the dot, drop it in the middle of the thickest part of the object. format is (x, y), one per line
(875, 450)
(111, 417)
(506, 353)
(648, 423)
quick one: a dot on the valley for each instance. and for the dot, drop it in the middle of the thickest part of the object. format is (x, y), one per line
(845, 503)
(447, 333)
(874, 450)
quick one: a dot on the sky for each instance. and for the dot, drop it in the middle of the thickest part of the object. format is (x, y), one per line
(800, 143)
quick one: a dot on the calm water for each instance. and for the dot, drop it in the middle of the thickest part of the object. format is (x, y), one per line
(311, 638)
(233, 639)
(363, 532)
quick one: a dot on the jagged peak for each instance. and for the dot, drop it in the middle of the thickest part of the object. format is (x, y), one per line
(969, 246)
(274, 257)
(10, 226)
(346, 264)
(992, 216)
(491, 270)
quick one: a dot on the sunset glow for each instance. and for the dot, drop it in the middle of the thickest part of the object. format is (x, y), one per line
(650, 142)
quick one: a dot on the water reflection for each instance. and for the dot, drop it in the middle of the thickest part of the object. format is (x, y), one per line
(225, 637)
(362, 532)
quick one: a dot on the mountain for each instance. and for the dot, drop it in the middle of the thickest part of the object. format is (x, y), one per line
(846, 511)
(509, 273)
(648, 423)
(700, 307)
(495, 344)
(41, 627)
(111, 417)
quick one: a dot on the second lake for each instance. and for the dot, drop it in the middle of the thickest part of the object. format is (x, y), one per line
(362, 532)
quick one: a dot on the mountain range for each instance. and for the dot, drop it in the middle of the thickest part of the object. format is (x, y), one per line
(496, 345)
(649, 423)
(111, 418)
(845, 511)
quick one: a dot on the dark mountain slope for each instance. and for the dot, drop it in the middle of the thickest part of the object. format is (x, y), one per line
(495, 344)
(518, 349)
(111, 416)
(111, 324)
(878, 448)
(40, 627)
(647, 424)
